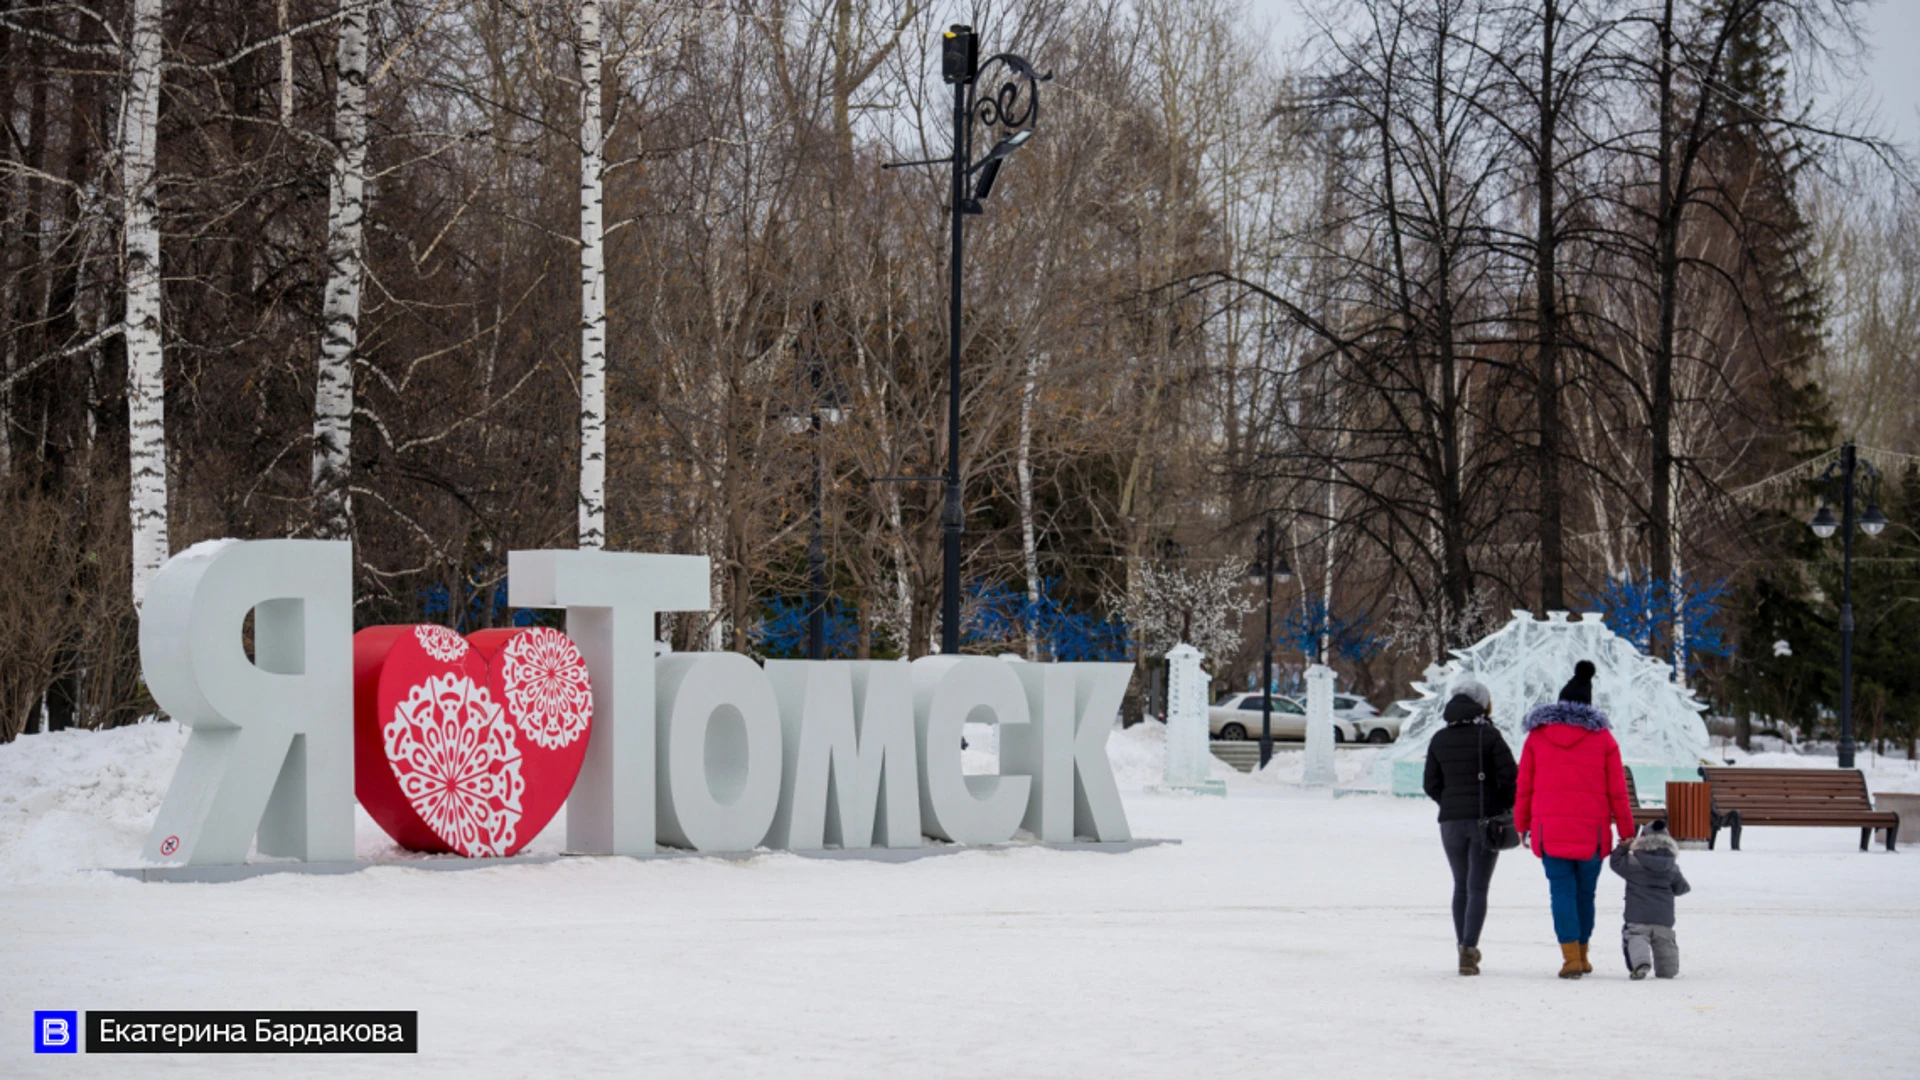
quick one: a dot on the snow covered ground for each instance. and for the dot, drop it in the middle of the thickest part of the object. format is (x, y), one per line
(1290, 933)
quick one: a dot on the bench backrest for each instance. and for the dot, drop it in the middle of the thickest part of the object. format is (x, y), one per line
(1788, 789)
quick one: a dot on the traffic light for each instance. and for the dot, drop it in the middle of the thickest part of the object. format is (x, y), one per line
(959, 54)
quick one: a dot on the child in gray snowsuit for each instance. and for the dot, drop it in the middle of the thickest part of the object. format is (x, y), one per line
(1651, 866)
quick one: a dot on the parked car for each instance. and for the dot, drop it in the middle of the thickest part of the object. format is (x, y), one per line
(1237, 716)
(1370, 724)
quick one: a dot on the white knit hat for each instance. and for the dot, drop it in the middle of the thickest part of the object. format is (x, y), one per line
(1475, 690)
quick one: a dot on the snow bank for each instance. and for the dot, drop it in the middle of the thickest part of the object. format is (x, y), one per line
(1138, 754)
(1139, 757)
(1355, 768)
(76, 799)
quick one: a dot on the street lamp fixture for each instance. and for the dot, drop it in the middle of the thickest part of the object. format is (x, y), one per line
(1011, 104)
(1841, 478)
(989, 168)
(1823, 525)
(1873, 520)
(1270, 566)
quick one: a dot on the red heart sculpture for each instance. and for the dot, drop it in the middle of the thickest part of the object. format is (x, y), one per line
(468, 745)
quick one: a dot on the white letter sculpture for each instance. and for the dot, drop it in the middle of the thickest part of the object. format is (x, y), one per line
(1189, 763)
(848, 774)
(1065, 750)
(947, 692)
(1320, 771)
(701, 750)
(719, 736)
(272, 742)
(611, 599)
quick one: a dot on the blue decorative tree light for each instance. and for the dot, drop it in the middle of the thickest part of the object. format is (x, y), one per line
(482, 607)
(1346, 638)
(782, 631)
(996, 614)
(1634, 607)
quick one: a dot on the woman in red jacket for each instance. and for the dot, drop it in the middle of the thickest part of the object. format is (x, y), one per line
(1571, 787)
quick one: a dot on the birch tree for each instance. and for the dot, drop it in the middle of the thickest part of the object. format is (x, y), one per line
(340, 334)
(593, 288)
(1023, 467)
(146, 385)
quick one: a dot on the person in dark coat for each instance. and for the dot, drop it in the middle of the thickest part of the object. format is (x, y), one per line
(1651, 866)
(1471, 774)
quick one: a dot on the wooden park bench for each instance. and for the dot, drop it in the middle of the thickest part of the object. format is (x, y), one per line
(1832, 798)
(1642, 815)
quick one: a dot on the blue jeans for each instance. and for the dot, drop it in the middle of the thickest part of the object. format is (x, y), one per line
(1572, 882)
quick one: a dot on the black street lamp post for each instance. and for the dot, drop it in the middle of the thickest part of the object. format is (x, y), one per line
(823, 408)
(1270, 567)
(1013, 106)
(816, 541)
(1841, 476)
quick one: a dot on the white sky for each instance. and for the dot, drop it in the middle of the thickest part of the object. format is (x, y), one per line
(1892, 68)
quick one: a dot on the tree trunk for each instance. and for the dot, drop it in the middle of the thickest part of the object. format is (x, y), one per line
(1325, 644)
(1030, 553)
(340, 337)
(1667, 274)
(1547, 385)
(1678, 600)
(286, 69)
(8, 350)
(903, 607)
(146, 386)
(593, 289)
(9, 243)
(25, 298)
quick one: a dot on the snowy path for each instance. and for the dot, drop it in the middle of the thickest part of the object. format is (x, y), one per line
(1290, 933)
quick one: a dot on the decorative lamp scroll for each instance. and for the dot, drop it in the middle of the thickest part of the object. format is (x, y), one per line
(1015, 101)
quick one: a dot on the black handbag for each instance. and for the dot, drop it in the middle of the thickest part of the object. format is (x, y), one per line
(1497, 831)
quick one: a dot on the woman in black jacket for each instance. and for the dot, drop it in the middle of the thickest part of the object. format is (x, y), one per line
(1471, 774)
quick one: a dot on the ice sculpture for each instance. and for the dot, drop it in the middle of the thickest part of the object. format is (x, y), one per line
(1525, 663)
(1320, 771)
(1189, 764)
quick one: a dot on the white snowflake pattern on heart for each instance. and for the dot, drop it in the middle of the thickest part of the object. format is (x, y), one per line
(441, 643)
(453, 752)
(548, 691)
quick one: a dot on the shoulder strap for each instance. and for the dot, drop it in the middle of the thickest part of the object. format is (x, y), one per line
(1480, 762)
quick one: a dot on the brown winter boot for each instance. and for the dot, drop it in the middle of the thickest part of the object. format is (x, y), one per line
(1469, 960)
(1570, 952)
(1586, 966)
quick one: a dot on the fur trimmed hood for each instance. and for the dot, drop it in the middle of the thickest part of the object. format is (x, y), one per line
(1656, 842)
(1567, 712)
